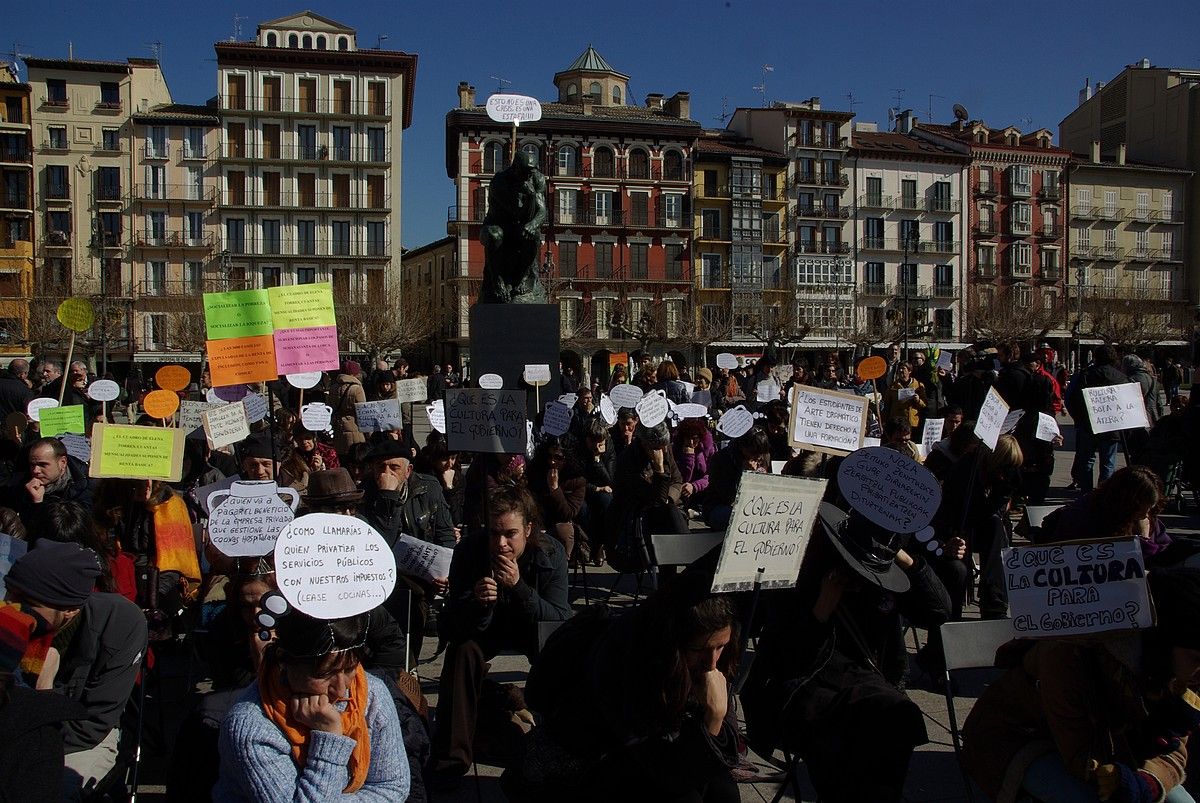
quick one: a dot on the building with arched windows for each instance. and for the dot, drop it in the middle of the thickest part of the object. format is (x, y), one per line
(618, 245)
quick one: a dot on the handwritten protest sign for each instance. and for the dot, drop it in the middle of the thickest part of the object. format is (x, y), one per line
(76, 314)
(421, 559)
(237, 314)
(302, 306)
(77, 446)
(36, 406)
(242, 359)
(57, 420)
(305, 380)
(626, 395)
(1011, 420)
(769, 531)
(330, 566)
(247, 517)
(190, 412)
(491, 381)
(557, 418)
(871, 368)
(304, 350)
(766, 390)
(480, 420)
(1077, 587)
(256, 407)
(316, 416)
(506, 108)
(437, 415)
(225, 425)
(140, 453)
(932, 433)
(906, 394)
(990, 422)
(945, 360)
(1047, 428)
(736, 422)
(890, 489)
(103, 390)
(536, 375)
(727, 361)
(160, 403)
(173, 377)
(607, 411)
(652, 408)
(411, 391)
(378, 416)
(1114, 407)
(827, 421)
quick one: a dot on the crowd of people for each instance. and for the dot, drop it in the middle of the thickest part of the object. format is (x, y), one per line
(104, 579)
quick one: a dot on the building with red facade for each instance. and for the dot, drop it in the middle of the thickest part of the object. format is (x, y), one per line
(617, 256)
(1015, 219)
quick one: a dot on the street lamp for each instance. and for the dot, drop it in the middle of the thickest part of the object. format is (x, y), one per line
(910, 238)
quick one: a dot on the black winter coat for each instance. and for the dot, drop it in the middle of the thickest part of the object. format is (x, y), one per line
(31, 744)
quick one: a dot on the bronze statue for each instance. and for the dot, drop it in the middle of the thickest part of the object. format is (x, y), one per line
(512, 235)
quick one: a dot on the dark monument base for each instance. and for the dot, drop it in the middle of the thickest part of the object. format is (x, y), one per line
(507, 337)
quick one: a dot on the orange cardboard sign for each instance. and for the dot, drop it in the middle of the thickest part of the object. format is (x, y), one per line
(620, 358)
(160, 403)
(173, 377)
(872, 368)
(240, 360)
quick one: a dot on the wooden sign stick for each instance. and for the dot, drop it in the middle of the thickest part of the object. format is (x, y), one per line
(62, 385)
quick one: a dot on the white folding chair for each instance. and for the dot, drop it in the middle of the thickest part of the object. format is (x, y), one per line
(970, 645)
(684, 549)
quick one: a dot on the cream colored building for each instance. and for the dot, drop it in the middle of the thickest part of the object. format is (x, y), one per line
(310, 157)
(83, 173)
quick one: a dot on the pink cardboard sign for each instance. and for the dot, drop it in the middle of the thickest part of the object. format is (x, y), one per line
(300, 350)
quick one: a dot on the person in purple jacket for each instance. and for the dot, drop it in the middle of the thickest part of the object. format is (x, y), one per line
(693, 447)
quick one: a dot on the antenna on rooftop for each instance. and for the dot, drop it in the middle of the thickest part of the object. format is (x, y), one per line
(929, 118)
(156, 48)
(237, 28)
(762, 87)
(724, 115)
(900, 99)
(379, 40)
(851, 102)
(500, 83)
(1028, 121)
(14, 56)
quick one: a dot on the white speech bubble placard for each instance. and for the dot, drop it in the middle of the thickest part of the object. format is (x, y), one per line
(569, 399)
(103, 390)
(256, 407)
(607, 410)
(247, 516)
(35, 407)
(653, 408)
(736, 422)
(690, 410)
(225, 425)
(437, 415)
(626, 395)
(890, 489)
(557, 419)
(727, 361)
(491, 381)
(316, 416)
(304, 381)
(330, 566)
(536, 375)
(506, 108)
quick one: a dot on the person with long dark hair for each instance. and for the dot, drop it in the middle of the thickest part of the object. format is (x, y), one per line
(561, 492)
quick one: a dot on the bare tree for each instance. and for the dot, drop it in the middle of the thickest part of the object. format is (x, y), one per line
(186, 330)
(44, 334)
(779, 325)
(387, 324)
(1006, 316)
(1132, 319)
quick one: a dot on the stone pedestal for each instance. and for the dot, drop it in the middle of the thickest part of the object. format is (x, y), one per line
(507, 337)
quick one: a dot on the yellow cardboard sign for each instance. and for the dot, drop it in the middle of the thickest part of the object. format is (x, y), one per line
(76, 314)
(132, 452)
(299, 306)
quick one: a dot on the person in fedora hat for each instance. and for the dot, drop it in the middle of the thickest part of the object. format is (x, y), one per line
(332, 491)
(828, 679)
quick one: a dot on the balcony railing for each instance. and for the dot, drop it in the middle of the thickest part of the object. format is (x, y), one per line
(1169, 216)
(985, 228)
(306, 200)
(321, 246)
(57, 238)
(813, 247)
(985, 189)
(714, 191)
(308, 153)
(1050, 274)
(1049, 232)
(942, 205)
(820, 179)
(914, 246)
(172, 239)
(108, 193)
(16, 200)
(713, 233)
(1052, 193)
(15, 154)
(1153, 255)
(1134, 293)
(187, 288)
(876, 289)
(620, 172)
(588, 272)
(986, 270)
(819, 140)
(945, 291)
(174, 192)
(1084, 211)
(159, 151)
(188, 153)
(943, 332)
(58, 192)
(295, 105)
(912, 291)
(823, 212)
(1110, 213)
(872, 201)
(54, 145)
(938, 246)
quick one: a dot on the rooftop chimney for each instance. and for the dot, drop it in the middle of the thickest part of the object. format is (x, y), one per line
(1095, 151)
(587, 101)
(905, 121)
(1145, 64)
(466, 95)
(1085, 94)
(654, 101)
(680, 105)
(1121, 154)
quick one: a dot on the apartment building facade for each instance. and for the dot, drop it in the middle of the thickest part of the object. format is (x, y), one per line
(16, 212)
(617, 255)
(1016, 215)
(1126, 239)
(309, 163)
(819, 206)
(428, 283)
(909, 234)
(740, 237)
(83, 165)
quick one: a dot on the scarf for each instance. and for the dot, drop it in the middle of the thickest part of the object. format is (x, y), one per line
(41, 637)
(275, 699)
(175, 544)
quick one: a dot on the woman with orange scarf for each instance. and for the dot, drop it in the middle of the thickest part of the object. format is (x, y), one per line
(315, 727)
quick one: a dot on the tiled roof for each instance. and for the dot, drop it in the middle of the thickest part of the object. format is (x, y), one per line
(179, 111)
(77, 64)
(995, 137)
(574, 111)
(1085, 160)
(590, 60)
(891, 142)
(734, 147)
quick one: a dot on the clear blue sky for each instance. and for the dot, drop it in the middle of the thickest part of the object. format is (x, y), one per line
(1004, 61)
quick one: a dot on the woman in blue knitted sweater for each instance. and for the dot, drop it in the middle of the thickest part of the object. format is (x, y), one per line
(315, 727)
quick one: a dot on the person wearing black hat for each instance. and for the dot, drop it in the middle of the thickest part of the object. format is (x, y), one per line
(827, 679)
(1100, 717)
(332, 491)
(100, 661)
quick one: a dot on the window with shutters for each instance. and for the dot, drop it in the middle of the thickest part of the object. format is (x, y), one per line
(674, 259)
(568, 201)
(638, 253)
(604, 260)
(568, 314)
(602, 207)
(711, 272)
(639, 209)
(1020, 178)
(567, 161)
(603, 309)
(673, 310)
(1168, 245)
(568, 255)
(1022, 218)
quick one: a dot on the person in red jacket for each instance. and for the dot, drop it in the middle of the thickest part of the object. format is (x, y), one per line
(316, 455)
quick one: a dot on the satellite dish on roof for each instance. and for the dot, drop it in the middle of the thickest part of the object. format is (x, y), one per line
(960, 112)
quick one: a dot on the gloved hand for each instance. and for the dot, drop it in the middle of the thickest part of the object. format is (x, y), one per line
(1120, 783)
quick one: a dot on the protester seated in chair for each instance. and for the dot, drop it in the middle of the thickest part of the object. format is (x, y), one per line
(693, 448)
(637, 707)
(503, 582)
(561, 492)
(315, 726)
(597, 460)
(1099, 718)
(750, 452)
(825, 681)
